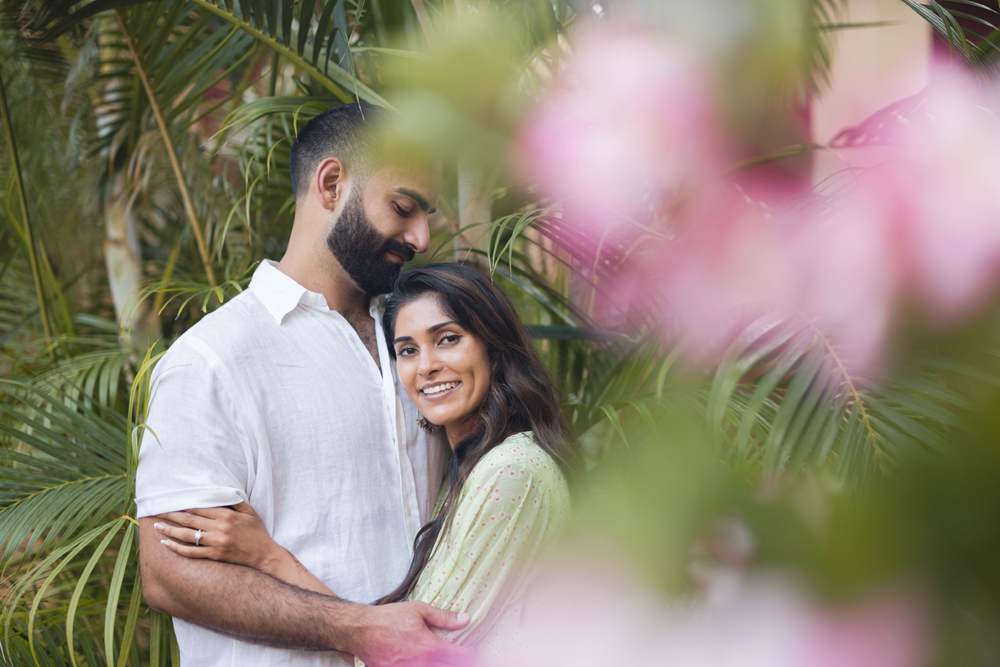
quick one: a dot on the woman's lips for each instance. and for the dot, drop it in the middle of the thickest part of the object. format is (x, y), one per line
(441, 394)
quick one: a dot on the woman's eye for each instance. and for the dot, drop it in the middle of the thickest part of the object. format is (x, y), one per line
(450, 338)
(400, 210)
(406, 351)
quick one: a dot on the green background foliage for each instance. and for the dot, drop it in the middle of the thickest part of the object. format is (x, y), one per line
(146, 147)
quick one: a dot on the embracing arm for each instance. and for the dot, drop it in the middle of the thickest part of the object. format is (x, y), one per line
(235, 535)
(241, 601)
(285, 566)
(253, 606)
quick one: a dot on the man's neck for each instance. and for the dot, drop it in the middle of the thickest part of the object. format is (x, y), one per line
(318, 271)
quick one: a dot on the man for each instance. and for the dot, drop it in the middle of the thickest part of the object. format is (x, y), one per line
(285, 398)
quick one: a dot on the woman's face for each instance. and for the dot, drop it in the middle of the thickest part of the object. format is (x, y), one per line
(443, 368)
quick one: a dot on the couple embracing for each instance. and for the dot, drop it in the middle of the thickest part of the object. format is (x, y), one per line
(347, 463)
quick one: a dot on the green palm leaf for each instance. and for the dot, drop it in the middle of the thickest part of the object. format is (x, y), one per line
(62, 468)
(980, 47)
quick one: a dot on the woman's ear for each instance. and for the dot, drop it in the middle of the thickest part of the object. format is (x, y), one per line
(331, 177)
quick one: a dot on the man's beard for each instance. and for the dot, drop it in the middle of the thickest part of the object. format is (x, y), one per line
(361, 250)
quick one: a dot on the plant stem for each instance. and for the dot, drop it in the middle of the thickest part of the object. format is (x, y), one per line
(199, 234)
(22, 195)
(852, 389)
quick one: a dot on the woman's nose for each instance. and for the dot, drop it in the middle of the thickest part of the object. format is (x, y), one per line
(429, 364)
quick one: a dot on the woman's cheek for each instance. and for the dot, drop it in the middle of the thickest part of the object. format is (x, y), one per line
(407, 377)
(456, 358)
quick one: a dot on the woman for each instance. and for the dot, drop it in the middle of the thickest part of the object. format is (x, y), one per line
(467, 363)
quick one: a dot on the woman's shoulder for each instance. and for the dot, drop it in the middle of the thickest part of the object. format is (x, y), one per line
(518, 457)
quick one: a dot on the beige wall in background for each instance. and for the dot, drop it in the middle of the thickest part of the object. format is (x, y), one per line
(872, 67)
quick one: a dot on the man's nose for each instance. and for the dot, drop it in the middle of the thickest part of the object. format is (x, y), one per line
(417, 234)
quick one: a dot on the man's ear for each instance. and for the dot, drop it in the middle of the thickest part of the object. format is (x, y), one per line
(330, 181)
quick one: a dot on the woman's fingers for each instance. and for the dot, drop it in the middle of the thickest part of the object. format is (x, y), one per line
(235, 535)
(188, 520)
(183, 534)
(244, 508)
(186, 542)
(189, 551)
(213, 513)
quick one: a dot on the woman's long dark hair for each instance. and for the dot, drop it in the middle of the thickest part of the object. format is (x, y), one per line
(520, 396)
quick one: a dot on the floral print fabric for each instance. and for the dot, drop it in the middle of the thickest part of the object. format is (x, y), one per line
(513, 505)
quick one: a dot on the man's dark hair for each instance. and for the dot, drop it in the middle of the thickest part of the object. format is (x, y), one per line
(346, 132)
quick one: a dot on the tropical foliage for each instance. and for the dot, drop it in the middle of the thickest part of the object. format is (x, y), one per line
(145, 174)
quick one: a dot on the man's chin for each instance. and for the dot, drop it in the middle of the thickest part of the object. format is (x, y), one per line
(383, 284)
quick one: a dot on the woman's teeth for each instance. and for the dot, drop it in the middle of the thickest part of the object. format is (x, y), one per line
(438, 388)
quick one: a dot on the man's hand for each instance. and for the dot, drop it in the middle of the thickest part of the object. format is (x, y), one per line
(398, 635)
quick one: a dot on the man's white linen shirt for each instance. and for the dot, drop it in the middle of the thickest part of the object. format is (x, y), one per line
(274, 400)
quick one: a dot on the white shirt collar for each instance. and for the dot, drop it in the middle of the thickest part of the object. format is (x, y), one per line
(280, 294)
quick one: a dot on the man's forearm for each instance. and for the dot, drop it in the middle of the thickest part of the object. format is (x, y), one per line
(241, 601)
(286, 567)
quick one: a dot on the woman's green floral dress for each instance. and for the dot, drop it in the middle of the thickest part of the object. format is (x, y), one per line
(514, 504)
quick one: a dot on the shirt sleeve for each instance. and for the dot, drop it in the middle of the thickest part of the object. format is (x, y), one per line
(513, 507)
(193, 453)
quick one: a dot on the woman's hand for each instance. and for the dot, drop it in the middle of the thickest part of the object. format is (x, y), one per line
(234, 535)
(238, 536)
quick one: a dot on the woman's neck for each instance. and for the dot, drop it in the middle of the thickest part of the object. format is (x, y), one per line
(459, 431)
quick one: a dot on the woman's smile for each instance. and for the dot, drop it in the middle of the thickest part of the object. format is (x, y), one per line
(440, 390)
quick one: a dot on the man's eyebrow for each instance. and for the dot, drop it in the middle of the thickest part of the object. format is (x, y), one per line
(417, 197)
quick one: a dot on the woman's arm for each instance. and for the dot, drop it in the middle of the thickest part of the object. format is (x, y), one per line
(238, 536)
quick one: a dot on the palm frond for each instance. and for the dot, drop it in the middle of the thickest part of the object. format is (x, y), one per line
(824, 16)
(783, 401)
(62, 464)
(979, 46)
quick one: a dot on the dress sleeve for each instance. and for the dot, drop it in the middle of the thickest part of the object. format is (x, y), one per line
(514, 505)
(193, 452)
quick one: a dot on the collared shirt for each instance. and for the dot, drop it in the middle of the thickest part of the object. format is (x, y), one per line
(274, 400)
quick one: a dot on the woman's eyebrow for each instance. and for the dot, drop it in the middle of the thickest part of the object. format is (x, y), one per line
(440, 326)
(403, 339)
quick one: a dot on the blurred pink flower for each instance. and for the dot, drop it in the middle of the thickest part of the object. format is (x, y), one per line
(630, 130)
(922, 226)
(631, 119)
(949, 233)
(732, 264)
(768, 623)
(848, 278)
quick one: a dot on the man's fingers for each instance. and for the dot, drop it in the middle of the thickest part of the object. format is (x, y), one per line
(446, 620)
